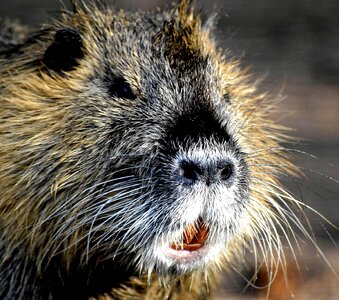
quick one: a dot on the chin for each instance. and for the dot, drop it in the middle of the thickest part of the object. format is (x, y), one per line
(189, 251)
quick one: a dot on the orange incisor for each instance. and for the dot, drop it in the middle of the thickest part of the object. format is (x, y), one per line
(194, 237)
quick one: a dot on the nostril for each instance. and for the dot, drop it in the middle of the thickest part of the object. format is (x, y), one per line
(189, 172)
(226, 172)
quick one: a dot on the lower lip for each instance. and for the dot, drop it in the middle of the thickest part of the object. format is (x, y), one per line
(185, 255)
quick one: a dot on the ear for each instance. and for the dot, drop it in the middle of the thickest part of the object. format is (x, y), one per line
(65, 51)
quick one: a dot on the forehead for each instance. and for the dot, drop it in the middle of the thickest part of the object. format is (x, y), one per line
(144, 38)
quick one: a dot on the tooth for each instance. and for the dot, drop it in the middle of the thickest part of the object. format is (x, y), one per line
(194, 236)
(201, 235)
(189, 233)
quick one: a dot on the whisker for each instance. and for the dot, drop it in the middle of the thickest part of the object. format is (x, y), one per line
(278, 149)
(299, 167)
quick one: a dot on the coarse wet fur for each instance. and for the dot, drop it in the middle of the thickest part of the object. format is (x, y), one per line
(118, 131)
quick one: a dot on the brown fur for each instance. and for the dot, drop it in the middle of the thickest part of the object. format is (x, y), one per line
(51, 134)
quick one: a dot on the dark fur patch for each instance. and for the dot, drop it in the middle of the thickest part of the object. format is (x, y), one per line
(180, 40)
(197, 123)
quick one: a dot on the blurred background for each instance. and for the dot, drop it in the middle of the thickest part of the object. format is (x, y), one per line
(294, 45)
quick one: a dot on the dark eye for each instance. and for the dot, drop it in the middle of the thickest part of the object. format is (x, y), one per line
(120, 88)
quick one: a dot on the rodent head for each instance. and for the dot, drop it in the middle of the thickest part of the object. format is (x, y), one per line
(129, 137)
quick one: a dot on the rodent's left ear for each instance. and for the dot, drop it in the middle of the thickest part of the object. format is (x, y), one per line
(65, 51)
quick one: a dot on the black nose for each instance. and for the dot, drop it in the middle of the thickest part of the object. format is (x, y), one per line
(190, 172)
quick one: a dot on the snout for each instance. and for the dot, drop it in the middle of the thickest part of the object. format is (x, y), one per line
(203, 178)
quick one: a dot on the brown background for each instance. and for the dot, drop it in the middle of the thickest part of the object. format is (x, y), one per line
(295, 45)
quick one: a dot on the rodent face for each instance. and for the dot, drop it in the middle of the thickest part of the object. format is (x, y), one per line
(132, 134)
(168, 136)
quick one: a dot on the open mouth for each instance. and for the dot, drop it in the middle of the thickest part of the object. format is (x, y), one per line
(193, 250)
(194, 237)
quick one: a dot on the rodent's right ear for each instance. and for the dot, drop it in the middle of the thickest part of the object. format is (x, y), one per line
(65, 51)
